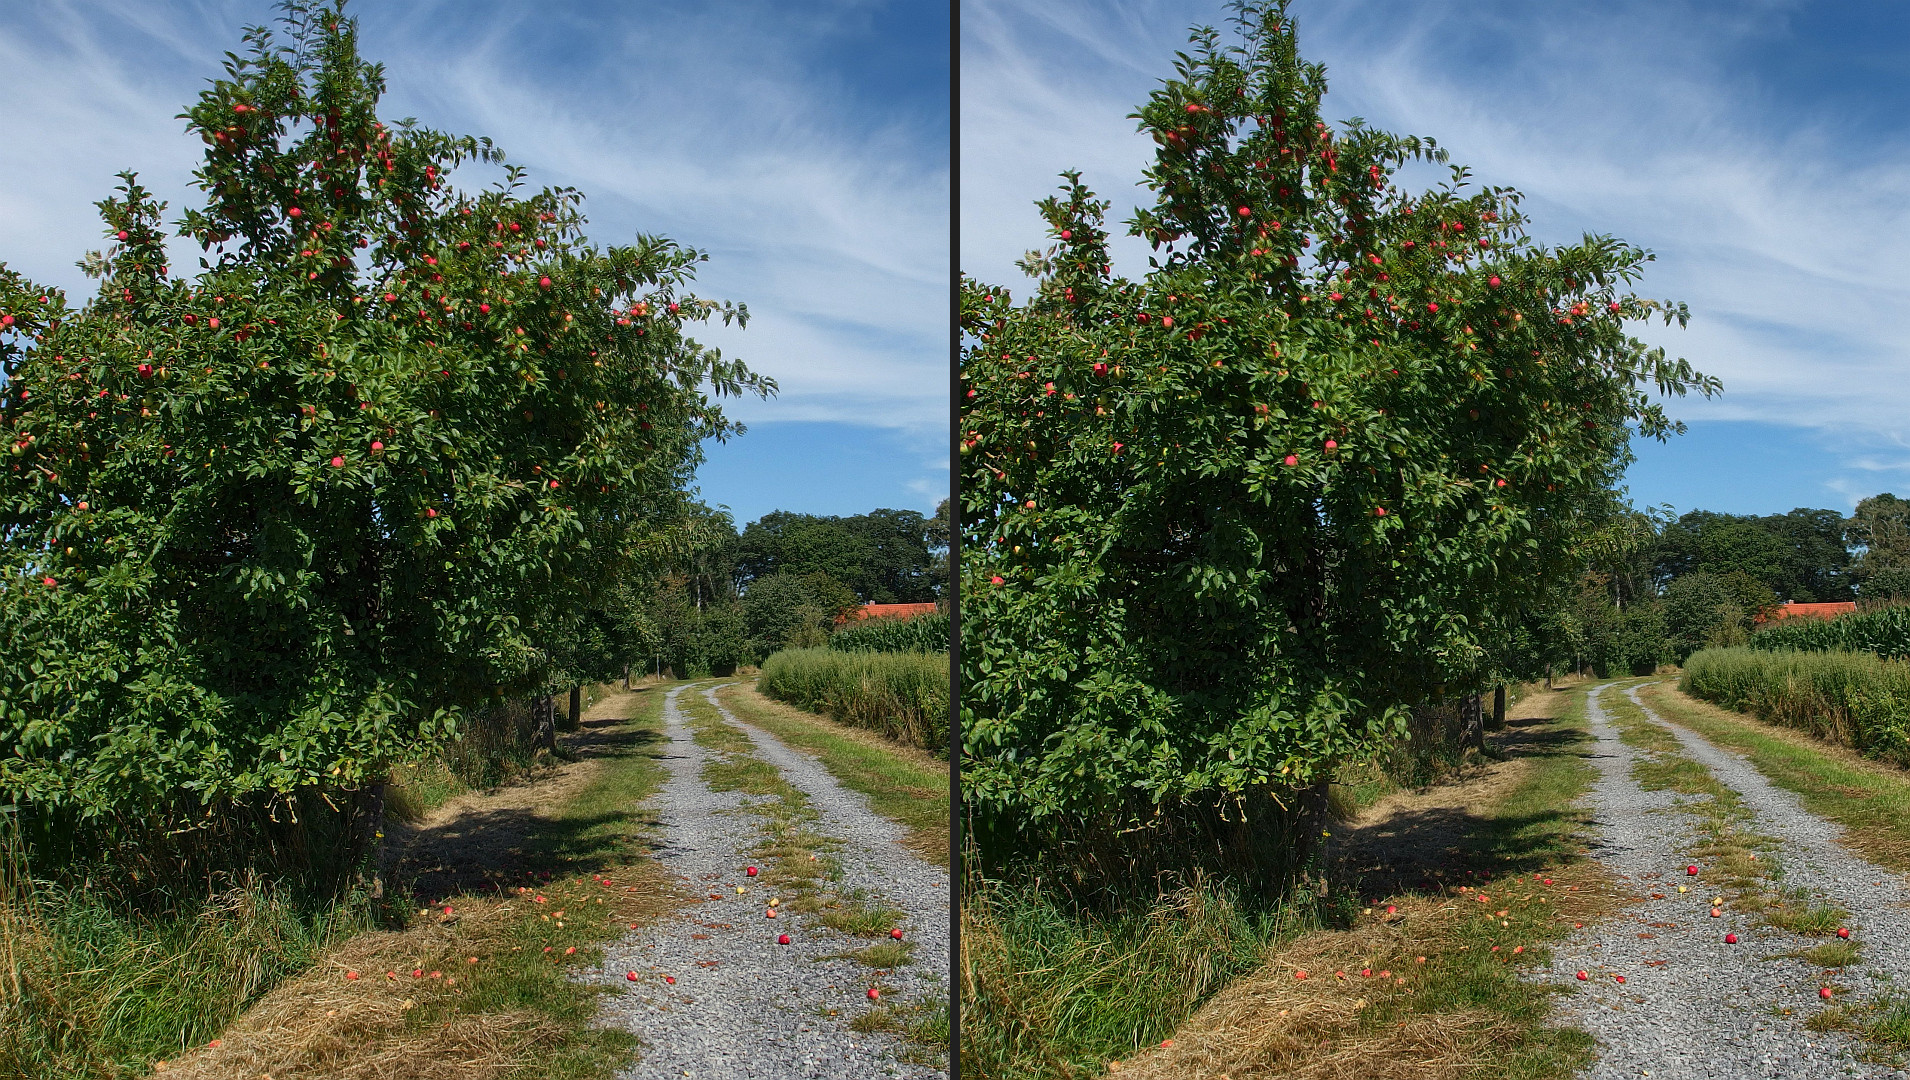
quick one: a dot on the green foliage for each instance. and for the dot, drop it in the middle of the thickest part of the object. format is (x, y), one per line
(1885, 632)
(886, 556)
(695, 643)
(1225, 523)
(793, 610)
(1880, 526)
(1703, 609)
(1854, 698)
(923, 633)
(903, 696)
(1801, 555)
(1890, 584)
(275, 526)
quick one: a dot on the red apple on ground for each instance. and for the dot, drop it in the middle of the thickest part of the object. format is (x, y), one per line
(770, 914)
(782, 939)
(751, 871)
(1620, 978)
(1691, 871)
(631, 975)
(1824, 992)
(1582, 977)
(874, 994)
(1843, 932)
(896, 933)
(1730, 939)
(671, 979)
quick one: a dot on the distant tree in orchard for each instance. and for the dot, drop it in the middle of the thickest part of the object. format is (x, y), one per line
(1225, 523)
(270, 527)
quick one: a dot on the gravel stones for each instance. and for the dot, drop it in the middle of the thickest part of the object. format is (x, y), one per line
(1692, 1006)
(743, 1006)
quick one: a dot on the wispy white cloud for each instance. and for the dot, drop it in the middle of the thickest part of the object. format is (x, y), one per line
(709, 124)
(1777, 217)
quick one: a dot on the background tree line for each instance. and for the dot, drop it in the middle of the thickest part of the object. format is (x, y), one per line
(730, 597)
(1659, 587)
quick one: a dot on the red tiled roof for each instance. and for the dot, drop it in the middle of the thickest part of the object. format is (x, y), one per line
(1810, 611)
(887, 611)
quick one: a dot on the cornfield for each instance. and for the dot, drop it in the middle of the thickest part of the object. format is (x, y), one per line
(902, 695)
(1859, 699)
(924, 633)
(1885, 632)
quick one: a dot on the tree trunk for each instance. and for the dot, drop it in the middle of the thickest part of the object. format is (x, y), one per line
(626, 676)
(1498, 707)
(372, 839)
(576, 709)
(1476, 722)
(546, 712)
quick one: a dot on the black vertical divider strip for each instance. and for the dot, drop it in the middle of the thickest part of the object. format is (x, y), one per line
(955, 868)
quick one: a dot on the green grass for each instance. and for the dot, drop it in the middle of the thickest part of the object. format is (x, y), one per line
(89, 990)
(903, 788)
(108, 994)
(1831, 954)
(900, 695)
(1052, 990)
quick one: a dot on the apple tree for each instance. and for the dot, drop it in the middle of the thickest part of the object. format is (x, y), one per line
(1227, 522)
(270, 527)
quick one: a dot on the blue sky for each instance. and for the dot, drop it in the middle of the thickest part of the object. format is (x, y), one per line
(1760, 148)
(804, 147)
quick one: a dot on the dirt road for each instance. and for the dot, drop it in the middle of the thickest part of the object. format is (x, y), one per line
(741, 1005)
(1692, 1005)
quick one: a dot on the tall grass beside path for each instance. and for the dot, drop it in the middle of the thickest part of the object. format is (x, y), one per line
(1856, 699)
(903, 696)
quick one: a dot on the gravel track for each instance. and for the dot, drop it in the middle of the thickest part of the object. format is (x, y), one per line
(1692, 1006)
(743, 1006)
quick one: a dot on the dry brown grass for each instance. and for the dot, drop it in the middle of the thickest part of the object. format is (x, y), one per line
(1337, 1023)
(1450, 1005)
(448, 1023)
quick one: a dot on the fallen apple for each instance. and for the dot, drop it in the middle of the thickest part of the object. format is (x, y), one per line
(782, 939)
(1824, 992)
(1730, 939)
(874, 994)
(1691, 871)
(631, 975)
(751, 871)
(1843, 932)
(671, 979)
(1582, 977)
(897, 933)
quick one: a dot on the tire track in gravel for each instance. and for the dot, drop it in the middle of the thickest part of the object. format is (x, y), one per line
(1692, 1006)
(743, 1006)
